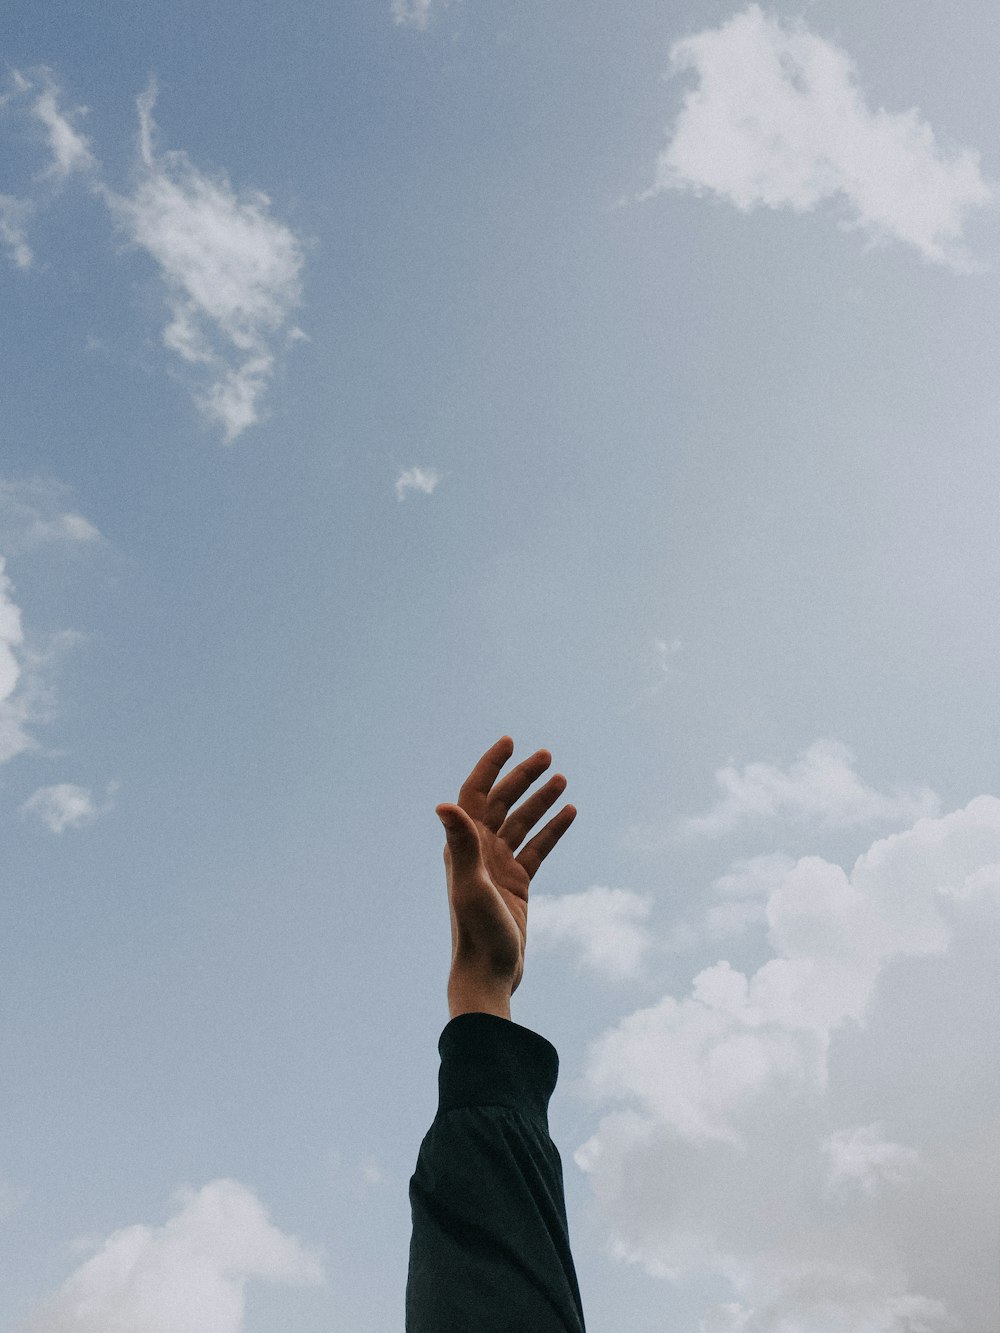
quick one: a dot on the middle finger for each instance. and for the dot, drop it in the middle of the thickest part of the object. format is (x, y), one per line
(529, 812)
(513, 786)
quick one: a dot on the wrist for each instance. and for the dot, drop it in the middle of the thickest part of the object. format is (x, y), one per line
(469, 995)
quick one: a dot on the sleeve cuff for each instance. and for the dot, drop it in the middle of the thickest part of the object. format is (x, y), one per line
(490, 1061)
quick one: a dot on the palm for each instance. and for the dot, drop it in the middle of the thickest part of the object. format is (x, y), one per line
(506, 884)
(488, 878)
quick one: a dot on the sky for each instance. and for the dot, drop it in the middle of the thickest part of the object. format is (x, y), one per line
(382, 379)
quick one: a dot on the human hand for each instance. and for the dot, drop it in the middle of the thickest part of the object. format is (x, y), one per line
(488, 878)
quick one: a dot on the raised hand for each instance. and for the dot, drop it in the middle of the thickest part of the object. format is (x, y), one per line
(488, 877)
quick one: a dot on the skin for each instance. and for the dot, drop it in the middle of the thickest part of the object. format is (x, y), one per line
(488, 877)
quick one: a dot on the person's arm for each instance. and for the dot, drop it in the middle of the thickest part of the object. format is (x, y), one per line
(490, 1251)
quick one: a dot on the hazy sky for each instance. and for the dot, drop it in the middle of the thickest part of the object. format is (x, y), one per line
(383, 378)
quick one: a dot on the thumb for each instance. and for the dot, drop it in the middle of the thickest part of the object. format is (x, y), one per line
(463, 840)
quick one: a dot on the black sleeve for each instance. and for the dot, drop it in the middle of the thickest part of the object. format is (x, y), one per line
(489, 1252)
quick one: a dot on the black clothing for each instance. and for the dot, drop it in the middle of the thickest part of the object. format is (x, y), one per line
(490, 1249)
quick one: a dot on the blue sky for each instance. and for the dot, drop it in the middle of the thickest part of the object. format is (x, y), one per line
(384, 379)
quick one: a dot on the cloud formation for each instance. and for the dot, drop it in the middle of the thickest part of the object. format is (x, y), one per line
(862, 1157)
(232, 272)
(37, 97)
(416, 479)
(32, 514)
(744, 891)
(14, 702)
(187, 1276)
(414, 13)
(14, 215)
(606, 927)
(65, 805)
(70, 150)
(820, 785)
(776, 119)
(746, 1147)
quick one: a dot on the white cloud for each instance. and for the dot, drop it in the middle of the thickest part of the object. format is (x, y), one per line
(70, 150)
(416, 479)
(14, 704)
(232, 272)
(821, 784)
(14, 214)
(415, 13)
(187, 1276)
(32, 513)
(744, 890)
(776, 119)
(731, 1157)
(605, 925)
(863, 1158)
(65, 805)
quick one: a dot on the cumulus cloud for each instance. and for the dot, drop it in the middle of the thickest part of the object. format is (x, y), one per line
(821, 785)
(232, 273)
(65, 805)
(744, 890)
(861, 1157)
(776, 119)
(187, 1276)
(605, 926)
(740, 1145)
(416, 479)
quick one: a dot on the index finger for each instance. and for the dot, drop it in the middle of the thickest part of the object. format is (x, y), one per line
(475, 788)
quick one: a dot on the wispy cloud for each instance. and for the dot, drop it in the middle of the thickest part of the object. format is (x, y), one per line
(14, 215)
(65, 805)
(232, 272)
(69, 148)
(777, 119)
(744, 1150)
(36, 98)
(415, 13)
(33, 513)
(416, 479)
(820, 785)
(185, 1276)
(15, 707)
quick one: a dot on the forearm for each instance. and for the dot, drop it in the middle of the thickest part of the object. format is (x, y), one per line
(490, 1244)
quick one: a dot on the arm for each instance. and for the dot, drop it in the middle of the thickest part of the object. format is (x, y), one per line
(490, 1247)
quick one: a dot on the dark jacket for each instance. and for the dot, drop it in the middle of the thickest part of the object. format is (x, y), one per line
(490, 1249)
